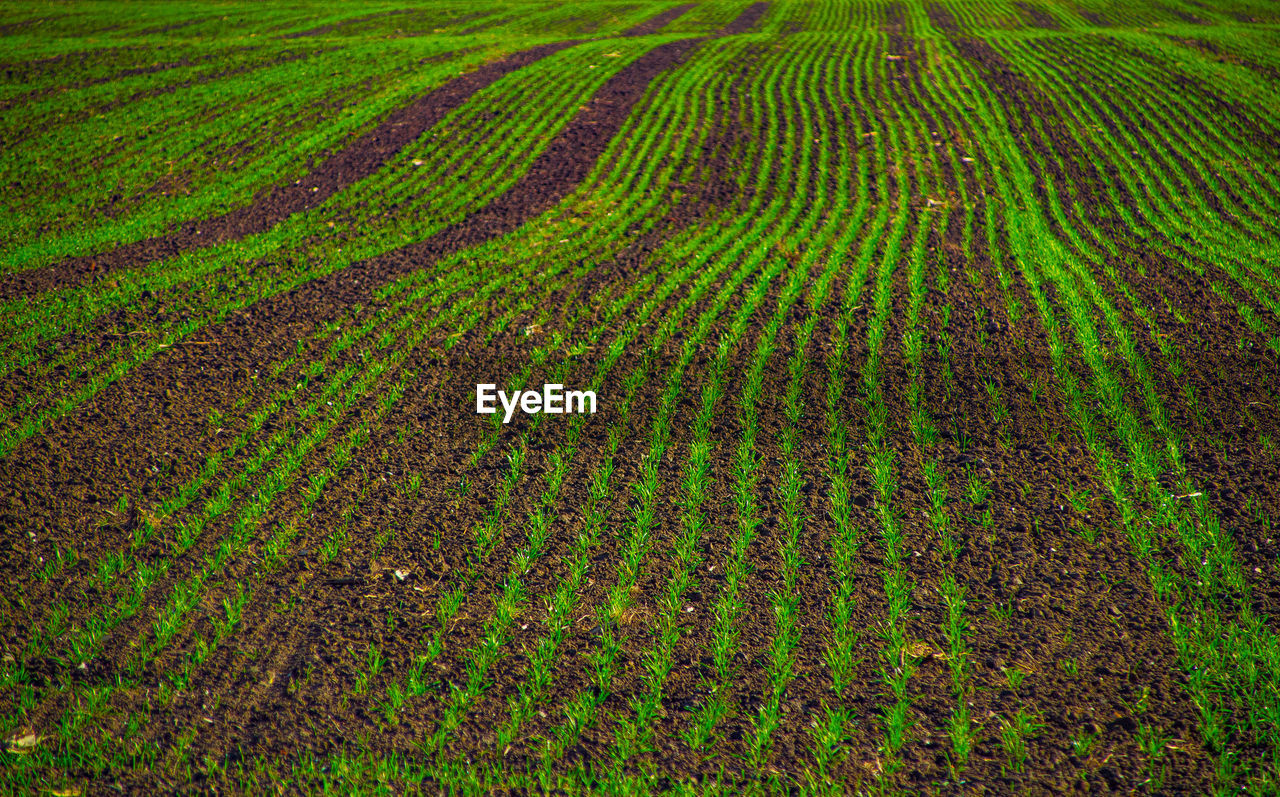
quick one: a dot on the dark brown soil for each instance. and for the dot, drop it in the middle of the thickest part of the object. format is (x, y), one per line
(1037, 16)
(159, 29)
(659, 21)
(745, 21)
(941, 18)
(1093, 18)
(1182, 16)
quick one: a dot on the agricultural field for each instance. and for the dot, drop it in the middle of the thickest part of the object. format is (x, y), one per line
(936, 354)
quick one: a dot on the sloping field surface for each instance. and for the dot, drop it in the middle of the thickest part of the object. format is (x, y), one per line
(935, 347)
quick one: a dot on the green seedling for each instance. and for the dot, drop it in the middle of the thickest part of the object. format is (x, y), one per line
(1014, 733)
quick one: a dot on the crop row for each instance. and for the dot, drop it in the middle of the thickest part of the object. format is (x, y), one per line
(408, 295)
(203, 287)
(1205, 600)
(1056, 166)
(171, 156)
(182, 599)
